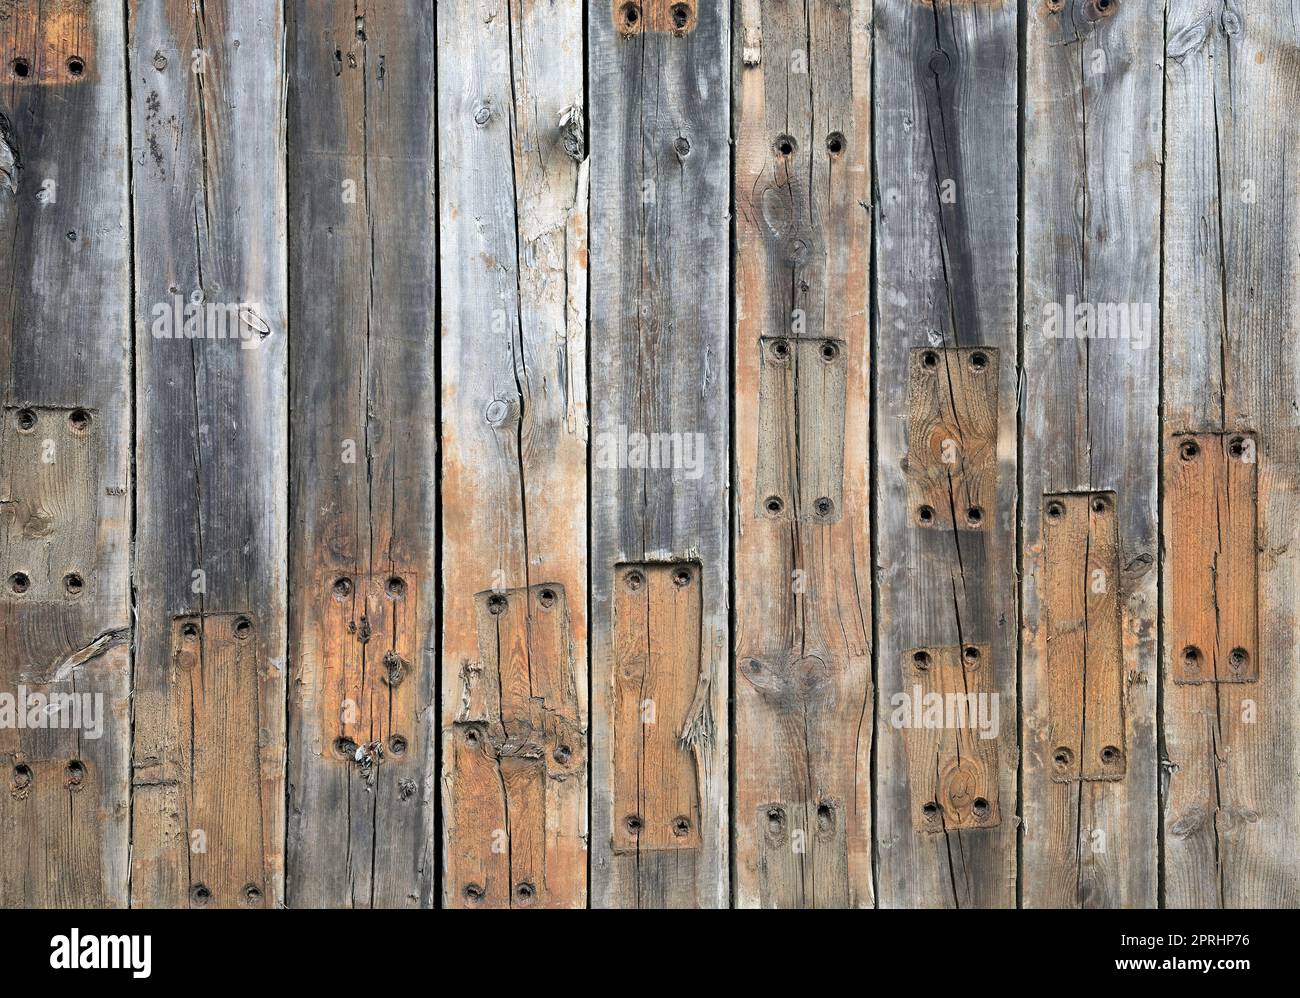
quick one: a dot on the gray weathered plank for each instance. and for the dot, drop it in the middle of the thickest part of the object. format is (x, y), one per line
(513, 192)
(659, 247)
(1092, 144)
(1231, 804)
(65, 434)
(945, 140)
(207, 127)
(363, 474)
(802, 744)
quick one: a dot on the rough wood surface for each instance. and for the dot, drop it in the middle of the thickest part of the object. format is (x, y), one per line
(207, 139)
(65, 445)
(1230, 799)
(945, 141)
(802, 821)
(512, 186)
(659, 245)
(1091, 294)
(363, 477)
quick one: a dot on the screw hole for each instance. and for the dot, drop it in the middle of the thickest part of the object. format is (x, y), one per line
(925, 514)
(243, 628)
(26, 420)
(1189, 450)
(190, 630)
(681, 14)
(774, 505)
(73, 584)
(633, 823)
(75, 774)
(781, 350)
(473, 893)
(1062, 757)
(397, 745)
(21, 67)
(921, 660)
(395, 586)
(930, 809)
(1110, 755)
(930, 359)
(200, 894)
(1055, 510)
(345, 748)
(342, 587)
(980, 807)
(979, 360)
(681, 826)
(1192, 657)
(79, 420)
(546, 598)
(496, 604)
(785, 145)
(1099, 504)
(829, 351)
(631, 13)
(525, 892)
(681, 578)
(835, 143)
(971, 654)
(252, 894)
(22, 776)
(1237, 446)
(76, 66)
(1237, 658)
(562, 754)
(19, 583)
(974, 516)
(824, 507)
(634, 580)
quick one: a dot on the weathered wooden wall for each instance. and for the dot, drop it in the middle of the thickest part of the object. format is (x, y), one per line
(508, 454)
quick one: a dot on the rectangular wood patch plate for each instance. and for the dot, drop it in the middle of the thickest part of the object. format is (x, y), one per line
(657, 660)
(1210, 522)
(801, 398)
(515, 737)
(48, 503)
(953, 771)
(58, 44)
(952, 437)
(1079, 595)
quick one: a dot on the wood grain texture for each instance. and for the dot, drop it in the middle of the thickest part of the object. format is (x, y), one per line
(1091, 293)
(207, 138)
(946, 262)
(512, 187)
(363, 476)
(801, 99)
(1230, 801)
(659, 243)
(65, 435)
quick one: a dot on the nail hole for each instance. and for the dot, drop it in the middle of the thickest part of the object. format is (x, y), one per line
(471, 736)
(525, 892)
(345, 748)
(243, 628)
(200, 894)
(1192, 657)
(74, 774)
(930, 809)
(1110, 755)
(546, 598)
(252, 894)
(19, 582)
(824, 507)
(681, 578)
(835, 143)
(681, 14)
(1099, 504)
(979, 360)
(971, 654)
(1237, 446)
(26, 419)
(73, 584)
(925, 514)
(921, 660)
(190, 630)
(473, 893)
(980, 807)
(781, 350)
(1189, 450)
(496, 604)
(785, 145)
(1062, 757)
(633, 823)
(342, 587)
(562, 754)
(1055, 510)
(631, 14)
(75, 66)
(22, 776)
(21, 67)
(1237, 658)
(681, 826)
(395, 586)
(829, 351)
(930, 359)
(79, 420)
(774, 505)
(974, 515)
(397, 745)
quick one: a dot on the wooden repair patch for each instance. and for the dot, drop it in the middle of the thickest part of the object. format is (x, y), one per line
(1079, 595)
(805, 854)
(49, 809)
(217, 671)
(50, 44)
(1211, 482)
(515, 740)
(657, 664)
(952, 437)
(950, 718)
(801, 397)
(48, 503)
(370, 650)
(632, 17)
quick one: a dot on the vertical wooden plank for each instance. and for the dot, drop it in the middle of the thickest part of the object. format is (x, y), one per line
(1230, 800)
(65, 478)
(1092, 140)
(512, 187)
(660, 384)
(803, 587)
(207, 111)
(363, 488)
(945, 140)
